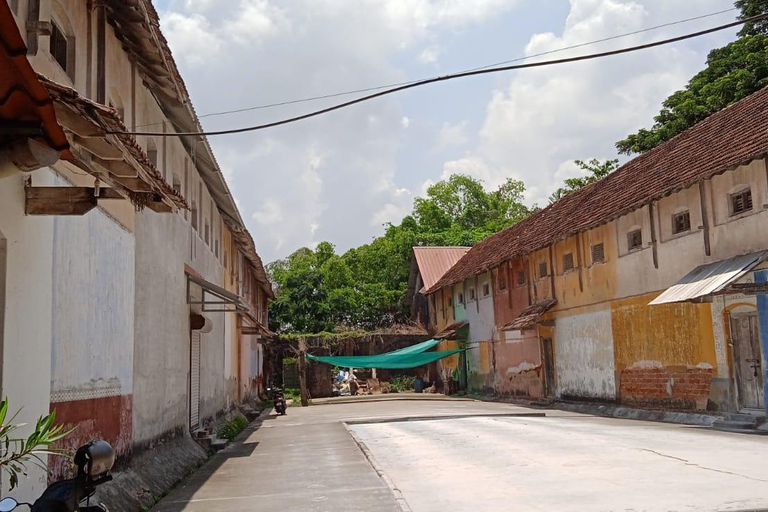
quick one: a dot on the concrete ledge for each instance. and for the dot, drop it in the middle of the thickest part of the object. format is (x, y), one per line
(368, 421)
(388, 397)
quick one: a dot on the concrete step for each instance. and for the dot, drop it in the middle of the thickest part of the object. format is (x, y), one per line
(734, 424)
(205, 442)
(219, 444)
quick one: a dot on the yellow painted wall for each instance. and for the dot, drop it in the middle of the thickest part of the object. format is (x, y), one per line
(673, 334)
(449, 363)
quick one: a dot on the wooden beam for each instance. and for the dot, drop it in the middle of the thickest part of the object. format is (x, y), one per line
(160, 207)
(748, 288)
(119, 168)
(64, 200)
(99, 147)
(133, 184)
(75, 122)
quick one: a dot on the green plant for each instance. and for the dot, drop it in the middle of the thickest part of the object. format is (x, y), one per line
(402, 383)
(233, 427)
(16, 452)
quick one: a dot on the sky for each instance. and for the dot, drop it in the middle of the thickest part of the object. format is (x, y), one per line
(342, 176)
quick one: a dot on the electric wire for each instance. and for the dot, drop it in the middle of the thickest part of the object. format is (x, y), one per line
(509, 61)
(464, 74)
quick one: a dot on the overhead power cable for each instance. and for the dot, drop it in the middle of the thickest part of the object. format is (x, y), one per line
(509, 61)
(454, 76)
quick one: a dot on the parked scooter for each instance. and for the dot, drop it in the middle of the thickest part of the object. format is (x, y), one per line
(93, 461)
(279, 398)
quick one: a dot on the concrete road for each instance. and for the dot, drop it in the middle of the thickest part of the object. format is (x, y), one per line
(306, 461)
(569, 463)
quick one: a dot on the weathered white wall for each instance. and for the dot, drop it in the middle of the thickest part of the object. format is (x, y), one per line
(584, 362)
(26, 377)
(164, 243)
(482, 328)
(93, 299)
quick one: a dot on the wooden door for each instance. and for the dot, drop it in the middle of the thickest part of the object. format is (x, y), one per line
(747, 360)
(548, 362)
(194, 380)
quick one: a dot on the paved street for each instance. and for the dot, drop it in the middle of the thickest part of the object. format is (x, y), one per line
(307, 461)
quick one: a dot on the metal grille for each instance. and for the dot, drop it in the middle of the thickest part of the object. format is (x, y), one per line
(681, 222)
(598, 253)
(568, 262)
(635, 239)
(194, 380)
(741, 202)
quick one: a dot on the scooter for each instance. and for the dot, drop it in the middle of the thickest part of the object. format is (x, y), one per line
(93, 461)
(279, 399)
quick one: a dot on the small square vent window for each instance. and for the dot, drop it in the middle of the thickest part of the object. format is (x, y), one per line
(543, 269)
(568, 262)
(520, 278)
(741, 202)
(502, 282)
(635, 240)
(471, 294)
(681, 222)
(598, 253)
(486, 289)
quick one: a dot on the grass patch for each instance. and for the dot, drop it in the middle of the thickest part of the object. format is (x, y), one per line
(402, 383)
(230, 429)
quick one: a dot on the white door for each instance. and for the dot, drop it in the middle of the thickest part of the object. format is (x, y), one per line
(194, 380)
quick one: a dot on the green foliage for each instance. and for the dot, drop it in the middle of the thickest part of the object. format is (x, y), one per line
(402, 383)
(597, 170)
(16, 453)
(364, 288)
(233, 427)
(733, 72)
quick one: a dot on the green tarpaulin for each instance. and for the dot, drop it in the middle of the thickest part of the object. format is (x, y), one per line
(415, 349)
(390, 360)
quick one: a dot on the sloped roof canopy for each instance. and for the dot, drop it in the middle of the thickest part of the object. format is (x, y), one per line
(530, 316)
(709, 279)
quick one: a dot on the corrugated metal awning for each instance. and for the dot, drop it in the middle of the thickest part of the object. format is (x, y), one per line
(710, 279)
(450, 331)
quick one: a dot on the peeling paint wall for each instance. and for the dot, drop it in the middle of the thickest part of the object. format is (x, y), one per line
(482, 331)
(518, 365)
(92, 335)
(584, 359)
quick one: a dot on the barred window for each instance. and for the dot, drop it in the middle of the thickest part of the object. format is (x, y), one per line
(741, 202)
(681, 222)
(598, 253)
(543, 269)
(635, 240)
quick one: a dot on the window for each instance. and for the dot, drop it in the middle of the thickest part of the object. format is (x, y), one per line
(461, 298)
(177, 183)
(598, 253)
(216, 249)
(226, 261)
(472, 294)
(486, 289)
(450, 301)
(58, 46)
(681, 222)
(152, 152)
(520, 278)
(194, 215)
(543, 269)
(741, 202)
(502, 281)
(635, 240)
(568, 262)
(207, 232)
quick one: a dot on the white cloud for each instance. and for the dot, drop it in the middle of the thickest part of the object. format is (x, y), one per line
(405, 122)
(191, 37)
(547, 116)
(429, 55)
(451, 135)
(255, 21)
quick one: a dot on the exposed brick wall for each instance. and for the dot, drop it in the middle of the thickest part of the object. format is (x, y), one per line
(666, 387)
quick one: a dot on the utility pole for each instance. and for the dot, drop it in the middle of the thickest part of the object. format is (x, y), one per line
(303, 371)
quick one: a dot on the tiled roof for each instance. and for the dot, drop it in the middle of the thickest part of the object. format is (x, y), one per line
(107, 119)
(434, 262)
(22, 97)
(732, 137)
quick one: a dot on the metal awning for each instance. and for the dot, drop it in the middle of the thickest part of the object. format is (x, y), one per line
(214, 298)
(254, 327)
(529, 316)
(712, 279)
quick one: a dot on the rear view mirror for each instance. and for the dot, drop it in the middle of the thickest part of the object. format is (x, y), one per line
(8, 504)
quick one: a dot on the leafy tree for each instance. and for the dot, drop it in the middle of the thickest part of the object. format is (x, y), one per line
(597, 170)
(365, 287)
(733, 72)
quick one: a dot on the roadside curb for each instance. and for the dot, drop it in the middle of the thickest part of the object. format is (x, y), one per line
(398, 495)
(367, 421)
(392, 399)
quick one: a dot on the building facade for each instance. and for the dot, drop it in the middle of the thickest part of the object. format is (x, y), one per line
(132, 299)
(645, 289)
